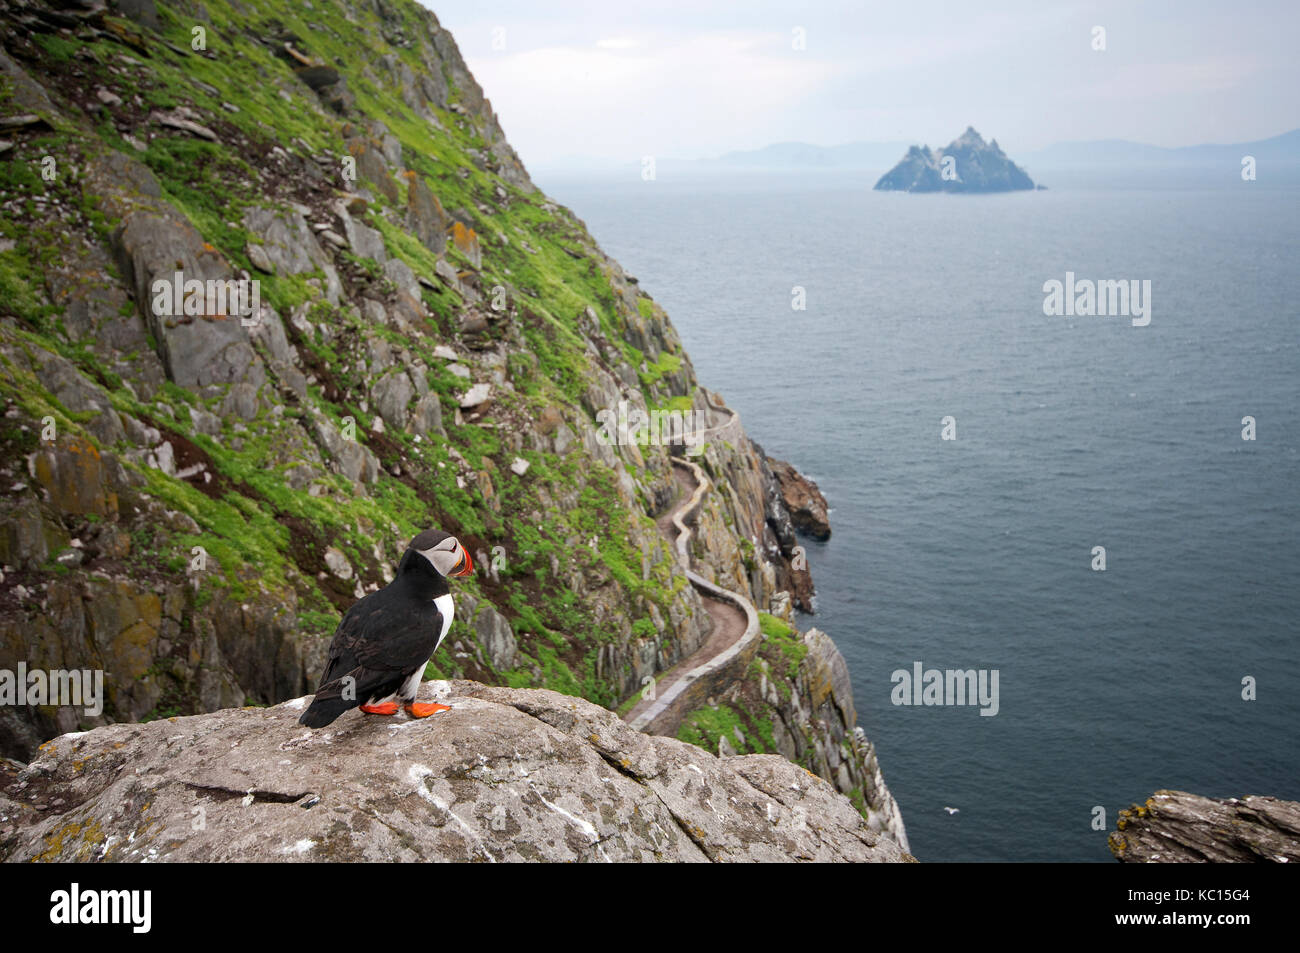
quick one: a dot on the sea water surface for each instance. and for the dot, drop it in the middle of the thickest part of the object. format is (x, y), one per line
(1072, 432)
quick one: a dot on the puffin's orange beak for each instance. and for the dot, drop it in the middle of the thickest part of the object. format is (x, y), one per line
(466, 566)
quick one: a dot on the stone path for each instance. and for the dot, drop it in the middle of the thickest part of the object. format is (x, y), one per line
(735, 620)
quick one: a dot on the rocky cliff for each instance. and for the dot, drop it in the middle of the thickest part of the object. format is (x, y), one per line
(1176, 827)
(275, 294)
(506, 775)
(967, 164)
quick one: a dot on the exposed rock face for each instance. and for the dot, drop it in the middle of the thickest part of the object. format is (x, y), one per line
(796, 698)
(1175, 827)
(507, 775)
(967, 164)
(804, 502)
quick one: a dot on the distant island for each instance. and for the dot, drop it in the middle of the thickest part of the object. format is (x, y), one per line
(967, 164)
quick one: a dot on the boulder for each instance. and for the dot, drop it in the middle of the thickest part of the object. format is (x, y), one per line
(392, 394)
(506, 775)
(1174, 827)
(466, 241)
(426, 418)
(371, 165)
(476, 396)
(77, 478)
(424, 214)
(288, 246)
(78, 394)
(353, 459)
(27, 537)
(805, 503)
(364, 241)
(318, 76)
(196, 351)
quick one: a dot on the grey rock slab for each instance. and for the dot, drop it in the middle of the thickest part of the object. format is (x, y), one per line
(506, 775)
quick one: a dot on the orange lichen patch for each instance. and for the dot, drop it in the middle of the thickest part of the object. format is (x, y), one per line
(465, 239)
(88, 832)
(74, 478)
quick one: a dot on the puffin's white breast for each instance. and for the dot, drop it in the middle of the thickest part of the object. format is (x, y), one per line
(448, 609)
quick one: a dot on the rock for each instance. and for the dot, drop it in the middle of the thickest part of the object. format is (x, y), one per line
(549, 421)
(424, 214)
(365, 241)
(318, 76)
(496, 637)
(241, 401)
(267, 328)
(392, 394)
(77, 478)
(144, 12)
(443, 269)
(968, 164)
(506, 775)
(78, 394)
(477, 395)
(805, 503)
(1177, 827)
(259, 259)
(173, 121)
(466, 241)
(353, 204)
(26, 121)
(519, 466)
(289, 246)
(372, 167)
(195, 351)
(426, 418)
(354, 460)
(164, 458)
(27, 537)
(337, 563)
(400, 274)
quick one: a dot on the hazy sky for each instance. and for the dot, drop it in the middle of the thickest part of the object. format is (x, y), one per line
(694, 78)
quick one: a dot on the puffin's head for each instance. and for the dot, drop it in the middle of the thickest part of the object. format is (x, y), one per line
(444, 552)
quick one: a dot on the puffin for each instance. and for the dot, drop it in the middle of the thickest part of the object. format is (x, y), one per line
(383, 643)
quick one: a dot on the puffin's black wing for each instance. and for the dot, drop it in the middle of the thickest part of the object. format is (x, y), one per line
(379, 642)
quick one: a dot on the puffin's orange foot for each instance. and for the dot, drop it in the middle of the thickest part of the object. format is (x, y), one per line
(421, 710)
(383, 708)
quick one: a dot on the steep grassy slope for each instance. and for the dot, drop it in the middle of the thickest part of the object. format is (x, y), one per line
(190, 494)
(148, 154)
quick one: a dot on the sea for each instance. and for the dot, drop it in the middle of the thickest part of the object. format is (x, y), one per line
(1177, 665)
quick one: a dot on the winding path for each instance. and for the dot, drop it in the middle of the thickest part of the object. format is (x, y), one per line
(735, 621)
